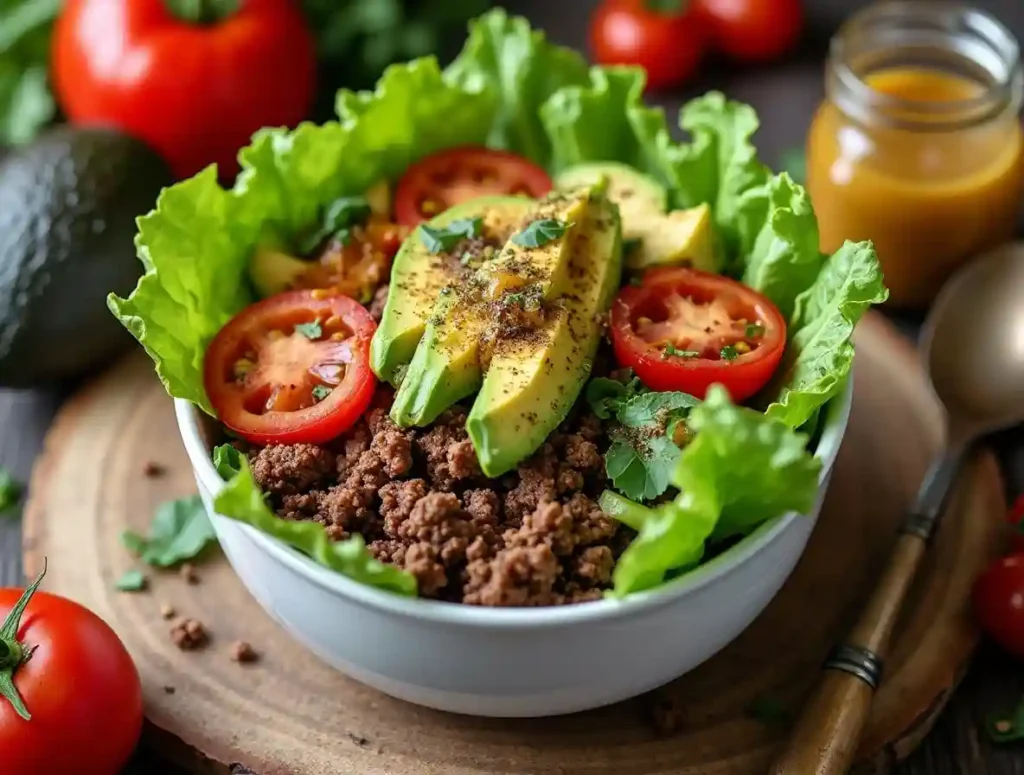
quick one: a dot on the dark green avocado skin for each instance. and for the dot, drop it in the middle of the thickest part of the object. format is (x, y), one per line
(68, 203)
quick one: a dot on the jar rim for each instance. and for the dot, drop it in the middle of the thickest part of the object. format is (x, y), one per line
(956, 20)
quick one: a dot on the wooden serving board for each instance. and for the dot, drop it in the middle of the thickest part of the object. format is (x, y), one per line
(289, 713)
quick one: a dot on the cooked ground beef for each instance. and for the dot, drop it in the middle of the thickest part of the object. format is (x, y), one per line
(418, 497)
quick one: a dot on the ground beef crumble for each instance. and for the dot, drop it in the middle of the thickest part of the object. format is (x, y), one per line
(417, 496)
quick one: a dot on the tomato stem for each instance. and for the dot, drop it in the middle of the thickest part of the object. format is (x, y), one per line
(12, 653)
(202, 11)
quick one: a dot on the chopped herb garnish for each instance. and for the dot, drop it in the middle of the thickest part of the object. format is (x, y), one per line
(310, 330)
(518, 299)
(320, 392)
(754, 330)
(10, 491)
(443, 238)
(181, 530)
(729, 353)
(671, 349)
(540, 233)
(131, 581)
(466, 258)
(338, 218)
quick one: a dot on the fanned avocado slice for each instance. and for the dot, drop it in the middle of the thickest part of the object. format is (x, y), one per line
(535, 376)
(446, 366)
(417, 277)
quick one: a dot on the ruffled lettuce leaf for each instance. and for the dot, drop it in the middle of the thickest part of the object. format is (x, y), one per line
(741, 470)
(785, 259)
(503, 56)
(819, 356)
(241, 500)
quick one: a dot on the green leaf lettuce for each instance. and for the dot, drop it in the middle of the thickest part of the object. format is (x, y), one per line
(241, 500)
(742, 469)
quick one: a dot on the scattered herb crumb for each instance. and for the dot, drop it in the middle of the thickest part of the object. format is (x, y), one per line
(169, 690)
(359, 740)
(167, 611)
(243, 653)
(152, 469)
(131, 581)
(320, 392)
(441, 239)
(188, 573)
(729, 353)
(670, 349)
(754, 330)
(10, 491)
(310, 330)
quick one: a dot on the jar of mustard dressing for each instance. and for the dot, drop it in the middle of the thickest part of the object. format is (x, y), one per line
(918, 144)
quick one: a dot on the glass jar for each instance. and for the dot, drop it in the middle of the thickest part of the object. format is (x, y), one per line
(918, 144)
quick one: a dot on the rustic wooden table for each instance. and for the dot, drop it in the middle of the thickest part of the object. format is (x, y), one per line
(785, 96)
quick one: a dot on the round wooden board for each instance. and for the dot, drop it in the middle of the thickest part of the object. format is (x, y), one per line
(289, 713)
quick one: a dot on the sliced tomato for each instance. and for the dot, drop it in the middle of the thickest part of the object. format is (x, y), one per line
(292, 368)
(457, 175)
(682, 329)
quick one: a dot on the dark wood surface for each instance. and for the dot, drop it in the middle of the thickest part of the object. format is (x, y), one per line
(785, 96)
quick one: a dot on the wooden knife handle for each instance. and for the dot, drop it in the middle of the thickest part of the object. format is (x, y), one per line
(827, 734)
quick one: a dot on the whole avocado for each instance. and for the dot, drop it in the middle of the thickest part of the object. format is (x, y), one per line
(68, 203)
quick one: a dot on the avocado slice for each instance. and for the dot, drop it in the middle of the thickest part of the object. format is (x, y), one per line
(679, 237)
(446, 366)
(417, 277)
(533, 381)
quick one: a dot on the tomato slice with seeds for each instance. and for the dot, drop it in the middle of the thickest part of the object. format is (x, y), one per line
(292, 368)
(451, 177)
(682, 329)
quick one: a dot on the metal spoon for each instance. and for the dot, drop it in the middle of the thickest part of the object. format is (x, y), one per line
(972, 347)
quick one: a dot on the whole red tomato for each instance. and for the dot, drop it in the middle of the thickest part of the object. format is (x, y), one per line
(752, 30)
(76, 682)
(998, 598)
(668, 44)
(193, 79)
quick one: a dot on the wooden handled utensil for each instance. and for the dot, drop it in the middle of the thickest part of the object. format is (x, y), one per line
(972, 346)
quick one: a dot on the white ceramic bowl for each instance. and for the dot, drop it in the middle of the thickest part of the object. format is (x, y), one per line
(515, 662)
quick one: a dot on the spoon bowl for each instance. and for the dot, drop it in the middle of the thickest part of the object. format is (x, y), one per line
(973, 343)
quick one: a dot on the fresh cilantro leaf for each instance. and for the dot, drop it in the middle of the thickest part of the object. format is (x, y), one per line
(642, 457)
(441, 239)
(338, 217)
(655, 410)
(227, 460)
(320, 392)
(310, 330)
(641, 469)
(754, 330)
(10, 490)
(540, 233)
(131, 581)
(670, 350)
(729, 353)
(181, 530)
(605, 396)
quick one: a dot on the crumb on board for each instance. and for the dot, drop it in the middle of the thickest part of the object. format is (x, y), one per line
(169, 689)
(167, 611)
(188, 573)
(189, 634)
(243, 652)
(359, 740)
(153, 469)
